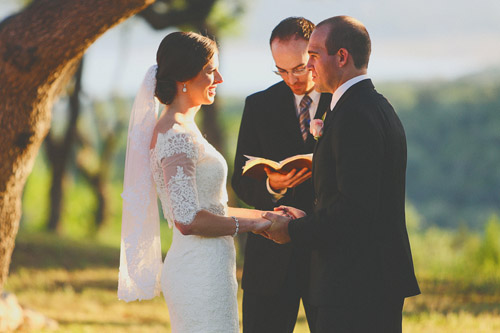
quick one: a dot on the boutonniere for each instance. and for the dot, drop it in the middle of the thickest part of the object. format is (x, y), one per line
(316, 128)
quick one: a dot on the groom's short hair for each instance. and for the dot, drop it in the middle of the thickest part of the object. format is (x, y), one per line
(349, 33)
(292, 27)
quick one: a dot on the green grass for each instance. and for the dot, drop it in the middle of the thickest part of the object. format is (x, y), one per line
(73, 279)
(74, 282)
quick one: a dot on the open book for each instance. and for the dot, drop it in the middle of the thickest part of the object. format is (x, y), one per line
(254, 167)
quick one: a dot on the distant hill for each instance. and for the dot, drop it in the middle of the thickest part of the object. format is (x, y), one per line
(453, 134)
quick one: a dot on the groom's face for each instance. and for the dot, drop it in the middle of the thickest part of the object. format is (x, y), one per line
(324, 67)
(290, 58)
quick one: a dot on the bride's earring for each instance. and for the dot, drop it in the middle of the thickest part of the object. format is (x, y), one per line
(184, 89)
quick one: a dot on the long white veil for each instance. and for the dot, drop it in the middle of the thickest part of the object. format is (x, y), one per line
(140, 252)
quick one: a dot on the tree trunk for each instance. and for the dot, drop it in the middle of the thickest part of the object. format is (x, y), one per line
(101, 212)
(59, 153)
(211, 126)
(39, 50)
(56, 193)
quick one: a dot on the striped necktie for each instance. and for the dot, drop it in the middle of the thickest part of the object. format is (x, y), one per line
(304, 118)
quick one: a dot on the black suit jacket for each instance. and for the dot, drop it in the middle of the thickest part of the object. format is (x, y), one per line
(270, 129)
(357, 232)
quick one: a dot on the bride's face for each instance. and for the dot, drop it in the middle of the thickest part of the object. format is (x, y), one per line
(201, 88)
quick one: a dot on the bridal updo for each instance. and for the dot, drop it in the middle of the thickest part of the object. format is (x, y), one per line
(180, 57)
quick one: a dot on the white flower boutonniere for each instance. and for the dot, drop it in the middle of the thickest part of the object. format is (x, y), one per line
(316, 128)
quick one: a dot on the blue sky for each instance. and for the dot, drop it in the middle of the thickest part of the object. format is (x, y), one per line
(411, 40)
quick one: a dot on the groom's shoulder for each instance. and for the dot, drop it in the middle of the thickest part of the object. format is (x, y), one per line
(275, 91)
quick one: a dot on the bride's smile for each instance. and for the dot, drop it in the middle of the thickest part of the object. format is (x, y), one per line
(201, 88)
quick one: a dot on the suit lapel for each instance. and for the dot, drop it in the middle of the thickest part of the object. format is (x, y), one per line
(288, 114)
(323, 105)
(331, 114)
(360, 85)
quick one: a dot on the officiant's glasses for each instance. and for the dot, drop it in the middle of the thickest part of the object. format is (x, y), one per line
(295, 72)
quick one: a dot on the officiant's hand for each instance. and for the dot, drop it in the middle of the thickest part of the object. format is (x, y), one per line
(279, 181)
(278, 232)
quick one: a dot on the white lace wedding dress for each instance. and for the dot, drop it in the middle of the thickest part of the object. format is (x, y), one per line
(198, 278)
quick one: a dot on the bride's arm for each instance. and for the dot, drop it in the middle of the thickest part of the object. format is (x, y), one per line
(178, 163)
(211, 225)
(244, 212)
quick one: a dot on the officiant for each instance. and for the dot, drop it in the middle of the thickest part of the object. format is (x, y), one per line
(275, 126)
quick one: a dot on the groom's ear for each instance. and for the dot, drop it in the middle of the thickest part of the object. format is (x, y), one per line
(343, 55)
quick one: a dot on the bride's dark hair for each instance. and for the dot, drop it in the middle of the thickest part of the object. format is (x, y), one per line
(180, 57)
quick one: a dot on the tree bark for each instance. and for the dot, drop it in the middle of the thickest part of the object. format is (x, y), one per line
(39, 50)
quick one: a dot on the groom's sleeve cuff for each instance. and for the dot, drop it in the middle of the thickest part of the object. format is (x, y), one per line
(298, 231)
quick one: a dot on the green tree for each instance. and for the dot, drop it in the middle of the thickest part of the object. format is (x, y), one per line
(488, 255)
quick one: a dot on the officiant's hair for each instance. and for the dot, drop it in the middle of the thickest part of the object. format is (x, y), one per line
(292, 27)
(180, 57)
(349, 33)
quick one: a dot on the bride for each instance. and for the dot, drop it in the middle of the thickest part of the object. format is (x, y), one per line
(170, 155)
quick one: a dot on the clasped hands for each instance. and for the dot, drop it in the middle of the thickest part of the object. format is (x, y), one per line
(278, 230)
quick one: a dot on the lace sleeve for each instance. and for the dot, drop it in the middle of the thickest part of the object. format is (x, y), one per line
(177, 155)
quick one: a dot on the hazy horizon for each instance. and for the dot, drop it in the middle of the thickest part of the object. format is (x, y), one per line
(410, 42)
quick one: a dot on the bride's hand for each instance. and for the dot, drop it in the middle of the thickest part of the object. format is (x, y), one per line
(292, 212)
(261, 225)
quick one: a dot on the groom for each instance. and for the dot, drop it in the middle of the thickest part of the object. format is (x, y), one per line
(361, 263)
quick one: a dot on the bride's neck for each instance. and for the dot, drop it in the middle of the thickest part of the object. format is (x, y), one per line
(181, 112)
(186, 117)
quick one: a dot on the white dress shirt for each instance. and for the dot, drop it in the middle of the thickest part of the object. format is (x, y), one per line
(315, 96)
(343, 88)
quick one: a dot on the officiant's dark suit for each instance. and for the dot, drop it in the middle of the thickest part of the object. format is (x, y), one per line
(270, 129)
(275, 125)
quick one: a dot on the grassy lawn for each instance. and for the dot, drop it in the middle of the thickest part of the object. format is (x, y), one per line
(74, 282)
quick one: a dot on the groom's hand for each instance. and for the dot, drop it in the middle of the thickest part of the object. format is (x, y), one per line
(292, 212)
(279, 181)
(278, 232)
